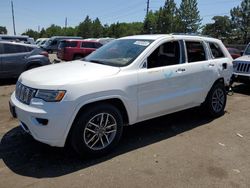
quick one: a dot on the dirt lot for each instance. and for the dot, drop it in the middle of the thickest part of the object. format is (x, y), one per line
(180, 150)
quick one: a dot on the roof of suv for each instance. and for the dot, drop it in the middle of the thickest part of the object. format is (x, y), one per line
(80, 40)
(178, 36)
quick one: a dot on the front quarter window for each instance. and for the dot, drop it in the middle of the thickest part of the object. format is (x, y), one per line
(119, 52)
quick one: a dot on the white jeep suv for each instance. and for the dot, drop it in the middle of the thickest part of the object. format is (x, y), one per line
(242, 67)
(87, 102)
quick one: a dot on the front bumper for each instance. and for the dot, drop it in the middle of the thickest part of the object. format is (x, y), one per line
(59, 116)
(243, 78)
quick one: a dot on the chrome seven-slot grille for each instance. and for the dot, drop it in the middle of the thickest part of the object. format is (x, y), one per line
(24, 94)
(242, 67)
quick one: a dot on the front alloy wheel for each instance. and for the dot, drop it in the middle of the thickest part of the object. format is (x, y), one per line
(100, 131)
(97, 129)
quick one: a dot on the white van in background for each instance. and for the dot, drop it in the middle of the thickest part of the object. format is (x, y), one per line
(41, 41)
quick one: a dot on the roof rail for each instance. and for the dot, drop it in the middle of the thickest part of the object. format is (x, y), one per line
(191, 34)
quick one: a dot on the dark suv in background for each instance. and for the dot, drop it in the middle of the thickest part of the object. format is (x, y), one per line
(51, 45)
(16, 58)
(76, 49)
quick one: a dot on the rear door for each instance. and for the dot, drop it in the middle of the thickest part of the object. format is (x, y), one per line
(220, 61)
(13, 59)
(203, 70)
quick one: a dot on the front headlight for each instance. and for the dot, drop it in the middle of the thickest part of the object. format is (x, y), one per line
(50, 95)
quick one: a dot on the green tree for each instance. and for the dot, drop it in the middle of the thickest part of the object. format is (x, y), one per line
(69, 31)
(149, 24)
(221, 28)
(54, 30)
(241, 21)
(190, 16)
(85, 28)
(167, 19)
(31, 33)
(43, 33)
(3, 30)
(97, 28)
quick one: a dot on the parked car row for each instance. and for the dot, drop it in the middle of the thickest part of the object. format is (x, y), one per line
(73, 49)
(41, 41)
(51, 45)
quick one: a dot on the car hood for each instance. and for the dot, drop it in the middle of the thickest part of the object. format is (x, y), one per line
(56, 75)
(243, 58)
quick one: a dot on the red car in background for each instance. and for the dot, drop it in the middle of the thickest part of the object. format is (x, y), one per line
(235, 53)
(72, 49)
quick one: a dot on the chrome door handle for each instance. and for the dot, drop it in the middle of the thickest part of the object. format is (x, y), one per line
(211, 65)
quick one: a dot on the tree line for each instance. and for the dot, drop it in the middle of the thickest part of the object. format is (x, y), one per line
(167, 19)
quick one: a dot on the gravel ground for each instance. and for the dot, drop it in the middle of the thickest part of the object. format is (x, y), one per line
(184, 149)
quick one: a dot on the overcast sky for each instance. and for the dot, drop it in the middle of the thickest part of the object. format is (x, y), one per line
(33, 14)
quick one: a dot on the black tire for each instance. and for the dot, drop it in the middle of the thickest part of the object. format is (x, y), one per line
(216, 100)
(88, 139)
(78, 57)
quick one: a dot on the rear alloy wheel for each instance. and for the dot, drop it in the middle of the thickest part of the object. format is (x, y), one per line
(97, 130)
(216, 100)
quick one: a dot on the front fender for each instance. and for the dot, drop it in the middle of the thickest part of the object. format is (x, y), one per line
(82, 101)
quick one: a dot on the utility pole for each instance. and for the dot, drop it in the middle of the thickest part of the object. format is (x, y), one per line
(147, 8)
(13, 18)
(66, 22)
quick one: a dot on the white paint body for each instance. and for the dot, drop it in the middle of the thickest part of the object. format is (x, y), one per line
(145, 93)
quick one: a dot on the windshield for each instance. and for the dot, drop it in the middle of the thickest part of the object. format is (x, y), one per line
(119, 53)
(247, 52)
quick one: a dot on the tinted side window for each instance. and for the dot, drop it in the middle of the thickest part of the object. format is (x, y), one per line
(54, 42)
(165, 55)
(21, 49)
(98, 45)
(29, 49)
(216, 50)
(88, 45)
(12, 48)
(72, 44)
(195, 51)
